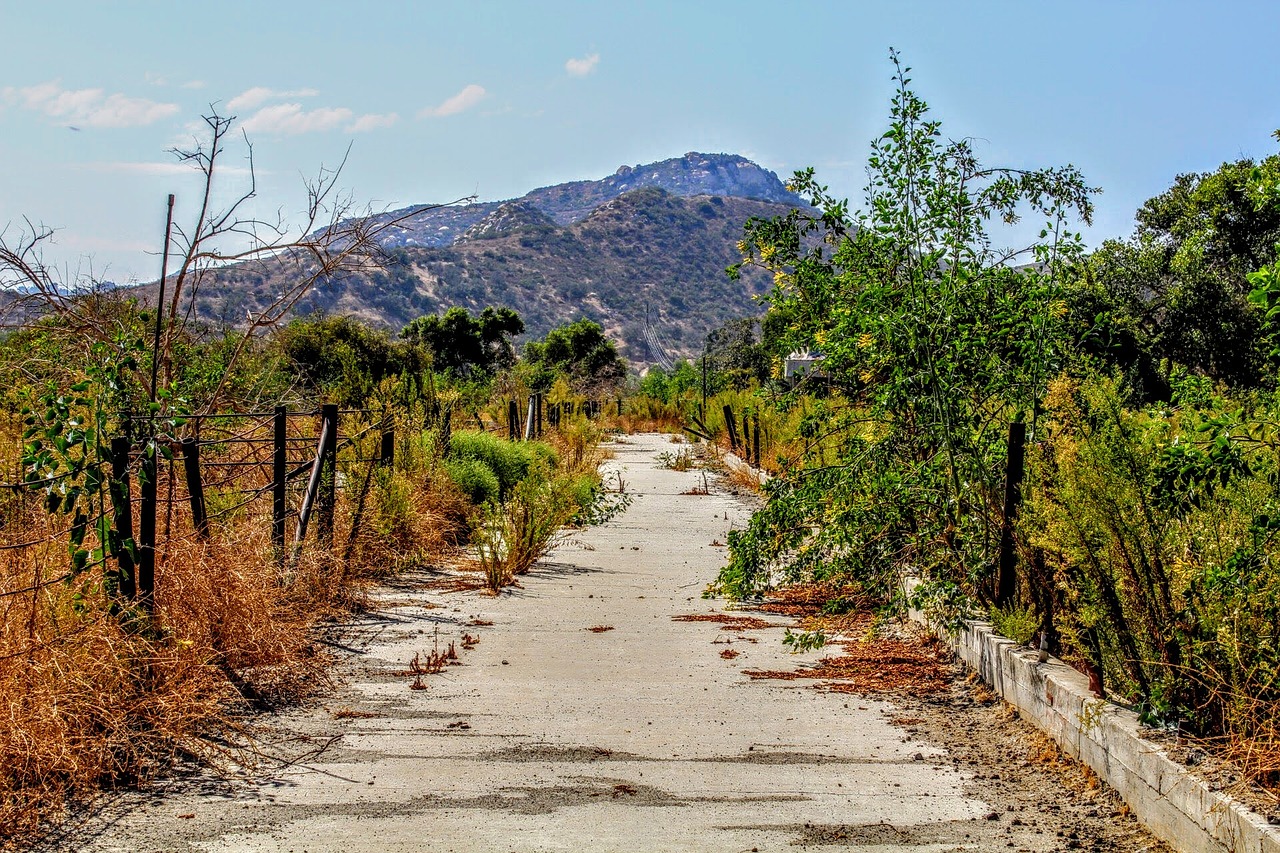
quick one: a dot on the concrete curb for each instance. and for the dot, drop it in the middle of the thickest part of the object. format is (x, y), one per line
(1178, 807)
(733, 460)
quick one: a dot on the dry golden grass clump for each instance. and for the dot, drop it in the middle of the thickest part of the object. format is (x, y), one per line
(96, 692)
(93, 696)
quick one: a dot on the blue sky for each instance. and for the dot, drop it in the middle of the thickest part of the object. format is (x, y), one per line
(442, 100)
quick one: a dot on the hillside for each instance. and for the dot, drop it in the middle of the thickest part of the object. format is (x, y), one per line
(650, 241)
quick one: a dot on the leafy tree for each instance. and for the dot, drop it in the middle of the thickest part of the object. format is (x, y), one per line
(343, 359)
(933, 340)
(736, 354)
(580, 352)
(657, 384)
(467, 346)
(1177, 289)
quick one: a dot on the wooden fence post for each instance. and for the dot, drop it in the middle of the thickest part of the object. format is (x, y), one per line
(122, 508)
(195, 486)
(755, 437)
(387, 453)
(1007, 577)
(702, 409)
(513, 420)
(732, 427)
(279, 481)
(539, 399)
(329, 474)
(148, 473)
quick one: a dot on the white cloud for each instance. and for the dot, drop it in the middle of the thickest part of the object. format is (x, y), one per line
(87, 107)
(293, 119)
(582, 67)
(470, 95)
(193, 84)
(259, 95)
(373, 121)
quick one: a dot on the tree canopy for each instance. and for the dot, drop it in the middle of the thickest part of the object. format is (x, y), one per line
(343, 359)
(467, 346)
(580, 352)
(1177, 289)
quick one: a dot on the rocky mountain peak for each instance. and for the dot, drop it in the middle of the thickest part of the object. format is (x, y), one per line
(694, 174)
(512, 217)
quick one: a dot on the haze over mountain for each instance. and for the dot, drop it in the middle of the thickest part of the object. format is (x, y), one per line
(647, 245)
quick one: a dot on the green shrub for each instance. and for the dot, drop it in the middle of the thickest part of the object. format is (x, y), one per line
(510, 537)
(394, 512)
(510, 461)
(544, 453)
(583, 490)
(476, 479)
(1017, 623)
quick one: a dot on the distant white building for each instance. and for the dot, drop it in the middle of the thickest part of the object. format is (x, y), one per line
(800, 362)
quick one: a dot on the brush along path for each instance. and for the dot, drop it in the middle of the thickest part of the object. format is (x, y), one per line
(603, 706)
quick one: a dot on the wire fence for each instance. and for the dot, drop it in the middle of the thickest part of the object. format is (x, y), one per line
(156, 490)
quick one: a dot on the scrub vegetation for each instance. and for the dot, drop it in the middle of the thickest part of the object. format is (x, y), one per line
(119, 658)
(1141, 543)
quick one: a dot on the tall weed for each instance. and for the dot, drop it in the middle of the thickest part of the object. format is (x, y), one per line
(513, 535)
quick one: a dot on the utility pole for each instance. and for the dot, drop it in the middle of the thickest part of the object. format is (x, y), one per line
(164, 273)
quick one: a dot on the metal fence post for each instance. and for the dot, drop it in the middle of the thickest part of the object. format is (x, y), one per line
(195, 486)
(279, 480)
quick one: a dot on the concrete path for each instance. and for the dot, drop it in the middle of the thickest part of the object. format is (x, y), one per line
(552, 737)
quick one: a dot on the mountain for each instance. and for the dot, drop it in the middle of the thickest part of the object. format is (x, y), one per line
(643, 252)
(691, 175)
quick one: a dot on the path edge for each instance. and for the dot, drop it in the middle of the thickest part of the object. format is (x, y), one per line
(1177, 806)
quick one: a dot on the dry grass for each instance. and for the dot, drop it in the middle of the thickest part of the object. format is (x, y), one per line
(738, 475)
(655, 419)
(93, 694)
(92, 697)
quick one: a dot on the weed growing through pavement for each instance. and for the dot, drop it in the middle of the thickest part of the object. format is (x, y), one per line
(680, 460)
